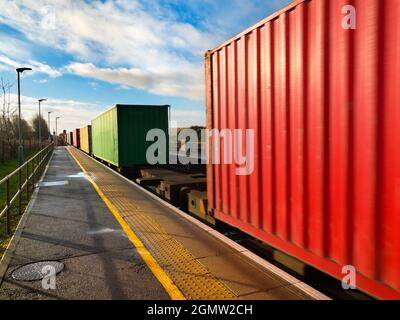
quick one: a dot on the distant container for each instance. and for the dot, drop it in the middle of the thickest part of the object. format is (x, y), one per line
(76, 139)
(119, 134)
(86, 139)
(324, 102)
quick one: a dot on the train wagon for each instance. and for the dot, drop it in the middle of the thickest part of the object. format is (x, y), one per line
(119, 134)
(71, 138)
(318, 83)
(76, 138)
(86, 139)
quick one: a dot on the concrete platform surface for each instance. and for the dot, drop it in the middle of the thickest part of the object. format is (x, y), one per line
(70, 223)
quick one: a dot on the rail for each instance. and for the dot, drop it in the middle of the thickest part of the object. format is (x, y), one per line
(33, 170)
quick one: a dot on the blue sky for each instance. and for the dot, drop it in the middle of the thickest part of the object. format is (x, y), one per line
(90, 55)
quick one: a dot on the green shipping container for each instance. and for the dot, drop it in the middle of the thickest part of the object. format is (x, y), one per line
(119, 134)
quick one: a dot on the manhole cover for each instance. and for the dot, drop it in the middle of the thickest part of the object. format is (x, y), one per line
(37, 271)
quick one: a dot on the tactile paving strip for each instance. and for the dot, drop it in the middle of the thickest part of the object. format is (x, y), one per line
(189, 275)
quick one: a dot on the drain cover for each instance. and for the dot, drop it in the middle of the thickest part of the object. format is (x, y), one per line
(35, 271)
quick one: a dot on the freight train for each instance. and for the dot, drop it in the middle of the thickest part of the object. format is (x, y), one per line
(323, 101)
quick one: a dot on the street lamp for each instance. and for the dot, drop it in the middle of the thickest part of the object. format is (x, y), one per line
(48, 123)
(40, 125)
(20, 147)
(57, 130)
(56, 125)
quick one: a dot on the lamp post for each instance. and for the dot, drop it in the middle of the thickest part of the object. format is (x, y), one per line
(48, 123)
(20, 147)
(57, 131)
(40, 124)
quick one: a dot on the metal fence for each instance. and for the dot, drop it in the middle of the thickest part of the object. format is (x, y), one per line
(28, 176)
(9, 149)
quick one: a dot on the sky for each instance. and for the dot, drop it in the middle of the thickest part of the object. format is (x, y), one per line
(87, 56)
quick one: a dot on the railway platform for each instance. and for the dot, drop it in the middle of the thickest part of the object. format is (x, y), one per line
(119, 241)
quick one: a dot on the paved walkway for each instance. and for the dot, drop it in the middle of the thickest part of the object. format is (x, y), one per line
(69, 222)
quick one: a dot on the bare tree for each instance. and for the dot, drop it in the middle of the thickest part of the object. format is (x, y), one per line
(9, 125)
(7, 139)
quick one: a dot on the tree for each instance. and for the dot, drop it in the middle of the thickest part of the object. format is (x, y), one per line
(43, 127)
(9, 126)
(7, 143)
(26, 129)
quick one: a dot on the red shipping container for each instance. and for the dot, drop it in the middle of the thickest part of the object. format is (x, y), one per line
(324, 102)
(76, 138)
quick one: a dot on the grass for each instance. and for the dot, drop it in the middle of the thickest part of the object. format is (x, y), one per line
(5, 169)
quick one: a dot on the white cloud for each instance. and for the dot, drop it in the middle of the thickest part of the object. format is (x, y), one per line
(7, 63)
(12, 47)
(158, 81)
(15, 53)
(94, 85)
(43, 68)
(187, 118)
(76, 114)
(142, 44)
(72, 113)
(42, 81)
(123, 42)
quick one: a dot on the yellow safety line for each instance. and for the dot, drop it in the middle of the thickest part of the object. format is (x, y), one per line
(158, 272)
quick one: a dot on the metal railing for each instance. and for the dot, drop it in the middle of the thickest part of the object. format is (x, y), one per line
(32, 171)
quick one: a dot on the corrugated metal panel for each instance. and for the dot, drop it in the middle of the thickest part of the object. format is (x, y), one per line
(324, 104)
(76, 141)
(86, 139)
(134, 123)
(105, 140)
(119, 135)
